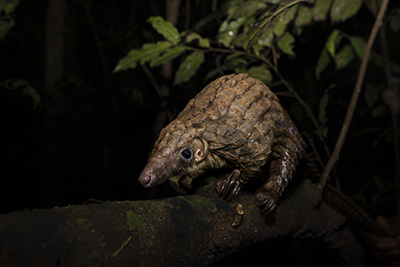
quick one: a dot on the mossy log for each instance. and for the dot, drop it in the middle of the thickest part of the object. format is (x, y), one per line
(191, 230)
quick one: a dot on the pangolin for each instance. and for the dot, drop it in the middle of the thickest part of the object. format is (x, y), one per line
(235, 123)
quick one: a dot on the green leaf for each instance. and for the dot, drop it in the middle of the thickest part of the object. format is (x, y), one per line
(8, 6)
(168, 55)
(322, 131)
(304, 16)
(320, 10)
(245, 9)
(379, 110)
(323, 61)
(27, 88)
(228, 31)
(323, 103)
(341, 10)
(240, 40)
(344, 57)
(235, 61)
(165, 28)
(260, 27)
(358, 44)
(148, 52)
(285, 43)
(273, 1)
(371, 94)
(5, 27)
(261, 73)
(266, 39)
(189, 67)
(394, 21)
(279, 26)
(332, 41)
(203, 42)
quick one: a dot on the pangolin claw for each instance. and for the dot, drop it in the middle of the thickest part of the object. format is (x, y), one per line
(229, 187)
(265, 202)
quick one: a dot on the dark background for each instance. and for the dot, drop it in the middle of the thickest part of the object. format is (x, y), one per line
(89, 137)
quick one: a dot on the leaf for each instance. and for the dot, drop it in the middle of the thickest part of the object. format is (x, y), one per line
(320, 10)
(266, 39)
(148, 52)
(323, 61)
(5, 27)
(228, 31)
(261, 73)
(303, 17)
(323, 103)
(279, 26)
(341, 10)
(235, 61)
(189, 67)
(8, 6)
(165, 28)
(273, 1)
(379, 110)
(285, 43)
(378, 61)
(371, 94)
(344, 57)
(394, 21)
(168, 55)
(263, 23)
(27, 88)
(358, 44)
(203, 42)
(322, 131)
(332, 41)
(240, 40)
(245, 9)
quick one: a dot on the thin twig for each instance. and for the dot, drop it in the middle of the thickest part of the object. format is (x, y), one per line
(153, 81)
(350, 110)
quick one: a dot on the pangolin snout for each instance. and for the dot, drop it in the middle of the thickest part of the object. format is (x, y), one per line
(154, 173)
(147, 178)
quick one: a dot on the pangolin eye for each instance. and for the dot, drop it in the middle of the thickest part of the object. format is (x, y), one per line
(186, 153)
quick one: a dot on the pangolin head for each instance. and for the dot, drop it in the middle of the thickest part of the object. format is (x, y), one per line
(176, 152)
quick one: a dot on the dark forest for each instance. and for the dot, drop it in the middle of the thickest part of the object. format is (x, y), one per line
(81, 106)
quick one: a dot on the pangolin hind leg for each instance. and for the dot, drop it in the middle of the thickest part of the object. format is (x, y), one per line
(228, 187)
(281, 169)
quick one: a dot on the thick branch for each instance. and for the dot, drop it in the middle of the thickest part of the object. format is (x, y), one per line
(191, 230)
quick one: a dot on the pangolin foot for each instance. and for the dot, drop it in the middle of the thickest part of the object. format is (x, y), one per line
(265, 201)
(229, 187)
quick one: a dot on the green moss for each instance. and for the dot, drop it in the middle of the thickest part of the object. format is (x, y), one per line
(142, 230)
(135, 221)
(198, 202)
(82, 221)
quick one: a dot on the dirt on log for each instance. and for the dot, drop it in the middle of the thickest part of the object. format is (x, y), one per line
(192, 230)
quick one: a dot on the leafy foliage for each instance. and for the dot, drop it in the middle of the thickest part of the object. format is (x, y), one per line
(252, 30)
(7, 8)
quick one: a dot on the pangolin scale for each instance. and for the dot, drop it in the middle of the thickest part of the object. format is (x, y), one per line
(234, 123)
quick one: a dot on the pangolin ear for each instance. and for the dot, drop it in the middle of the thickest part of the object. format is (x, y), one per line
(201, 149)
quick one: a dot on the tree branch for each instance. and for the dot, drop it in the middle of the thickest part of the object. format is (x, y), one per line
(191, 230)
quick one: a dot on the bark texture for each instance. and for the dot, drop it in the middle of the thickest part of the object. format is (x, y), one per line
(193, 230)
